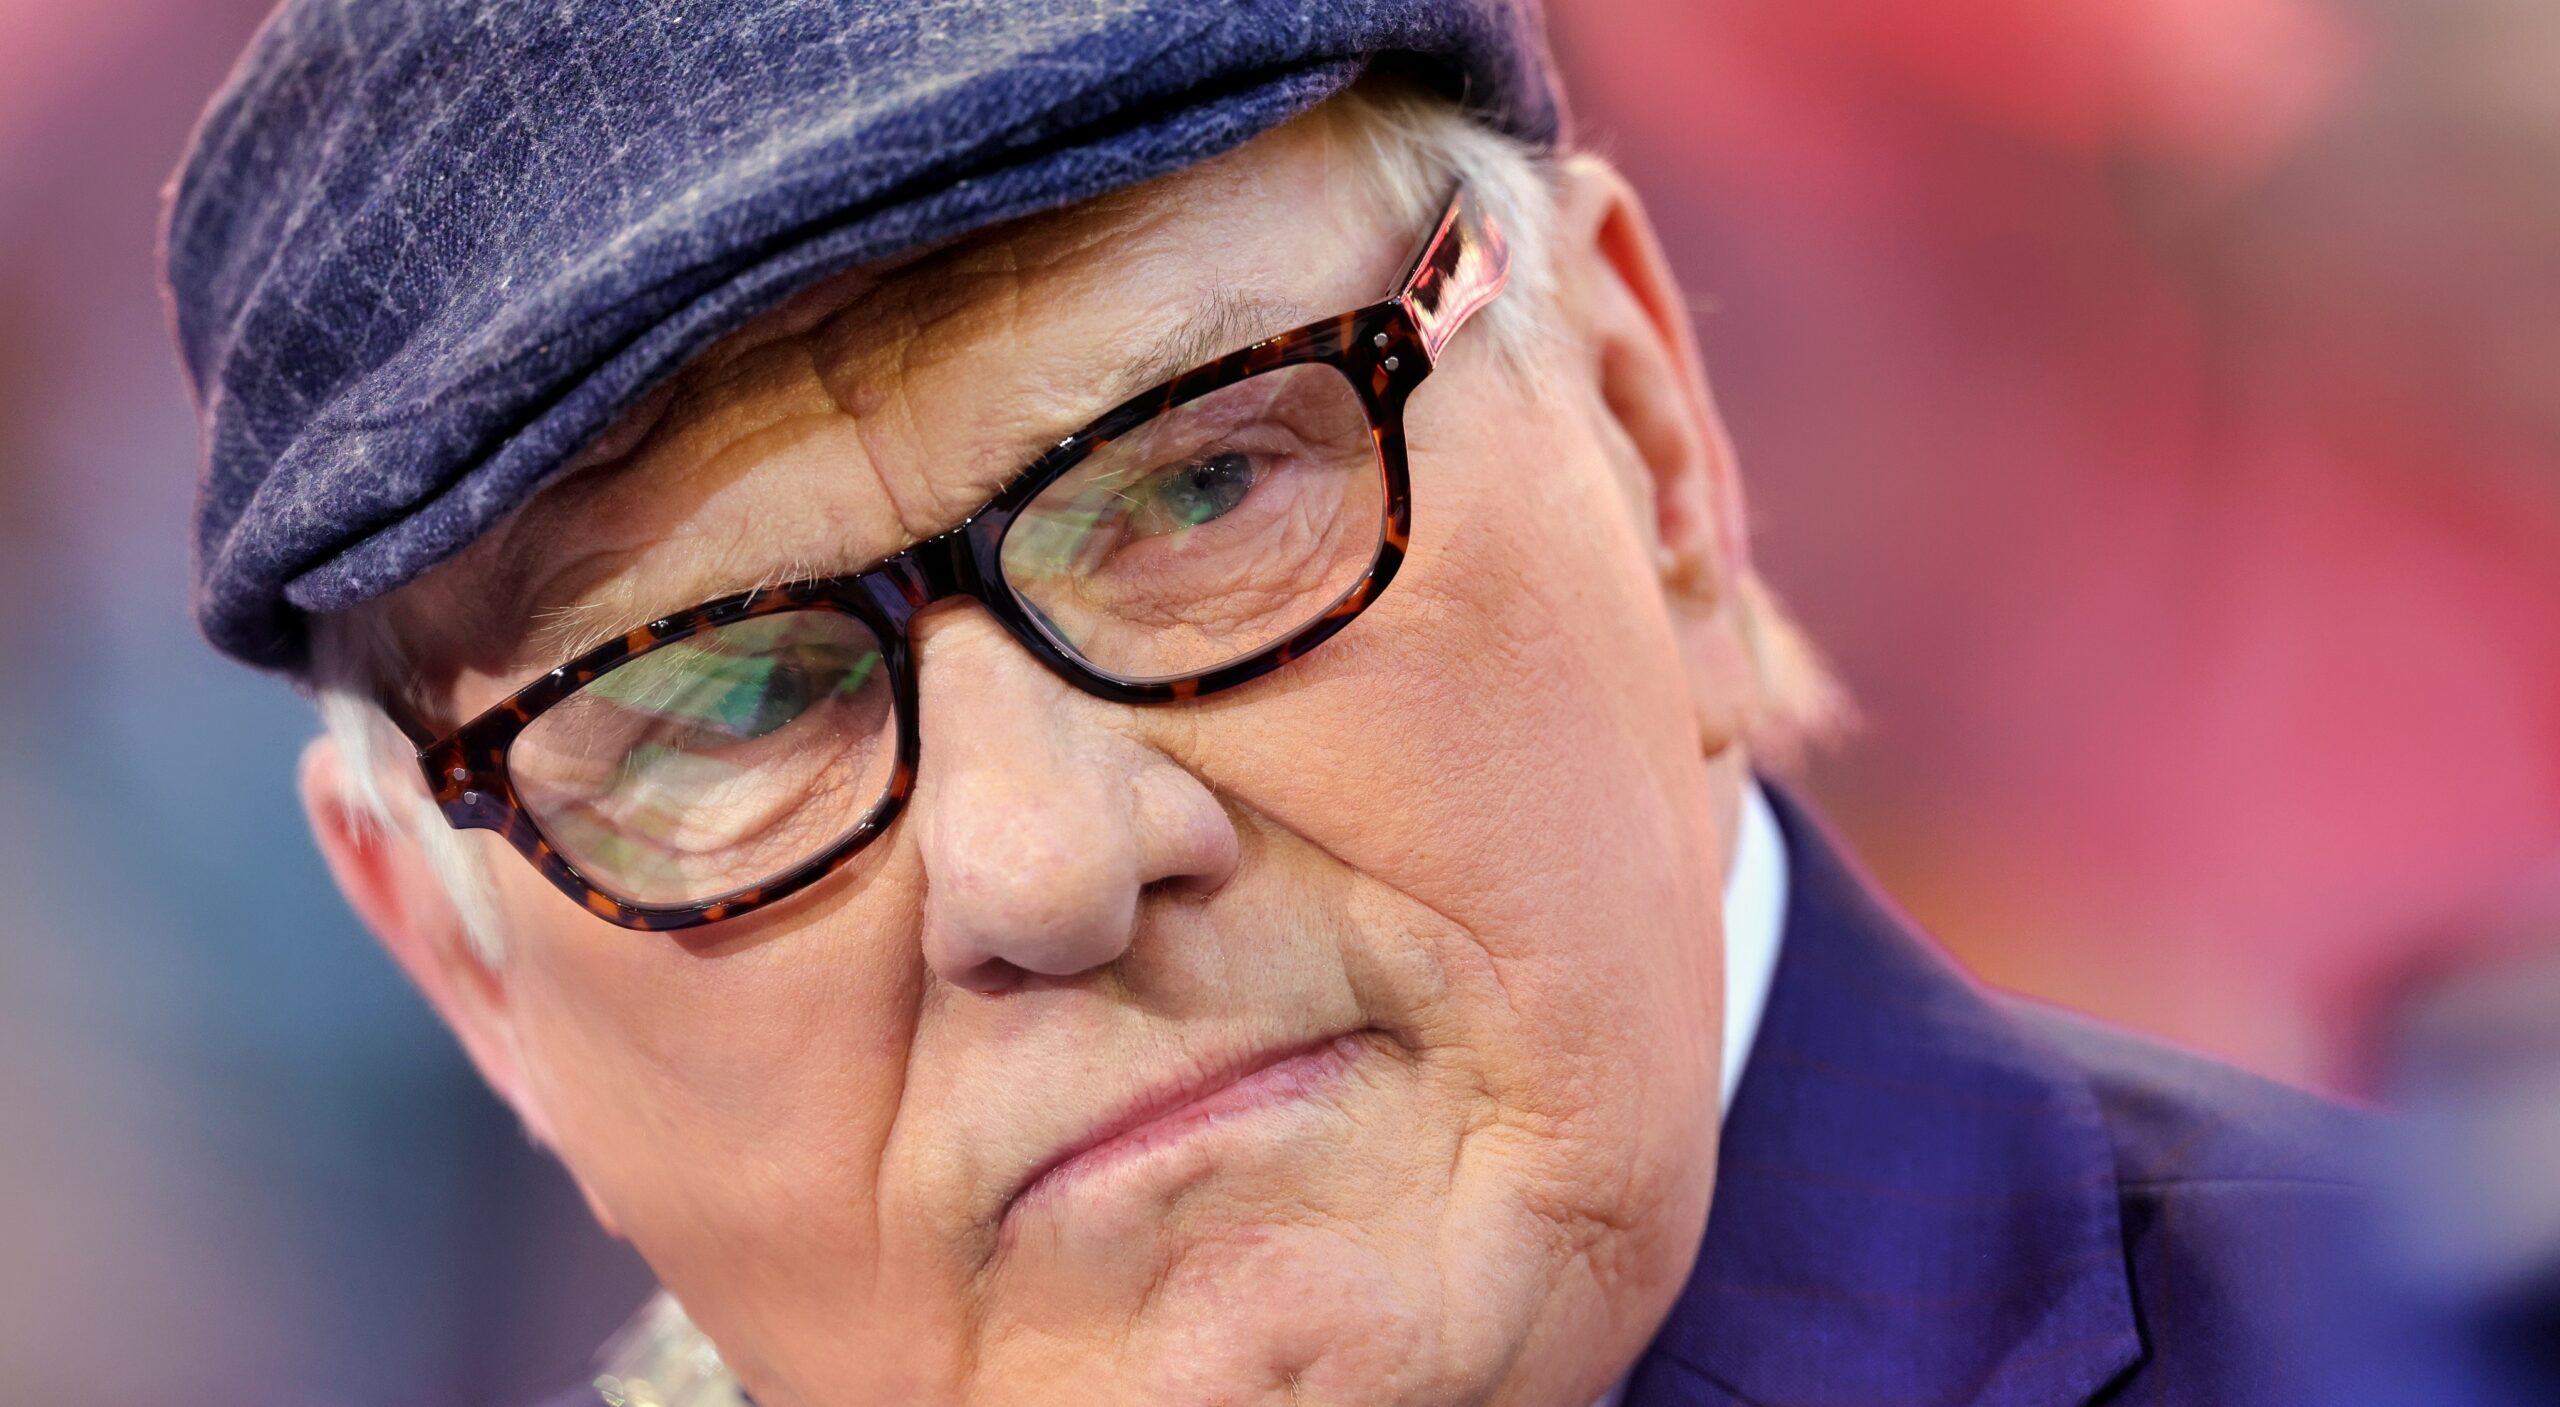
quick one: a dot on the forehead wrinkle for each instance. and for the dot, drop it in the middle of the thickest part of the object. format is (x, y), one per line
(877, 361)
(1194, 316)
(681, 557)
(923, 303)
(689, 439)
(916, 521)
(873, 385)
(674, 564)
(1133, 257)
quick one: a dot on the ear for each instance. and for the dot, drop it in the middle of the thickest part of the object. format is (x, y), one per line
(1660, 423)
(395, 891)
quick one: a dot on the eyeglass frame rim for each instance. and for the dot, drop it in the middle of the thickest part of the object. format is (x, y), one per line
(1384, 350)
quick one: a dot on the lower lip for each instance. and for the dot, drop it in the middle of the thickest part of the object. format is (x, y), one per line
(1281, 1083)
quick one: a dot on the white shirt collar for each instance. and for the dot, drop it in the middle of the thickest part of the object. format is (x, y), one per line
(1755, 915)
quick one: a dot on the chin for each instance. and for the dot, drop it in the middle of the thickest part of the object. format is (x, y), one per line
(1299, 1318)
(1352, 1247)
(1262, 1311)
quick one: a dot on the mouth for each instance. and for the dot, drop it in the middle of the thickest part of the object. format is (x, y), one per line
(1233, 1089)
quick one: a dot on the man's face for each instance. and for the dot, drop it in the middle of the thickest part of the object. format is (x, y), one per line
(1348, 1037)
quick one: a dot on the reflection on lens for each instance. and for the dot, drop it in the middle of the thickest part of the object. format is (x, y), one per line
(716, 762)
(1208, 534)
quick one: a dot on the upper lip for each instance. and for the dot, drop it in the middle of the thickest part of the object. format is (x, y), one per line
(1164, 1098)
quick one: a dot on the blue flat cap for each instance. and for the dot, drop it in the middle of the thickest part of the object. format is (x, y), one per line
(423, 251)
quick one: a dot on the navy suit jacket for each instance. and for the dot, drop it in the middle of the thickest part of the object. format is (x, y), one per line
(1929, 1195)
(1932, 1195)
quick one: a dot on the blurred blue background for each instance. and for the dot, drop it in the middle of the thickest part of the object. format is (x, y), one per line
(238, 1160)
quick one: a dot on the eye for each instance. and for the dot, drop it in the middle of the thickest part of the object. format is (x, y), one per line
(1205, 490)
(747, 710)
(792, 687)
(716, 700)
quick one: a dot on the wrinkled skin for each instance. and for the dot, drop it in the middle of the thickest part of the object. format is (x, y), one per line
(1481, 836)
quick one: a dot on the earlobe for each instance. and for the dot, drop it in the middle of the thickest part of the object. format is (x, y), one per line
(396, 893)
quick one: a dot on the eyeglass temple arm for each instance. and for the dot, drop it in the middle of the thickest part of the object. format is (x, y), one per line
(1462, 264)
(410, 725)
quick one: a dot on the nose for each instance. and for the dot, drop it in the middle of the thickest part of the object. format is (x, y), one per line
(1043, 819)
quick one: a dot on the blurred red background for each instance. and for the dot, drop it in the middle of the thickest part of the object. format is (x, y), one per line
(2153, 407)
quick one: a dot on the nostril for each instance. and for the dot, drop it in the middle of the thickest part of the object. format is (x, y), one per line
(1181, 885)
(991, 977)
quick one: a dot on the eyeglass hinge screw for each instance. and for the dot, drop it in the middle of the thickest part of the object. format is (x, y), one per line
(460, 774)
(1378, 341)
(1393, 363)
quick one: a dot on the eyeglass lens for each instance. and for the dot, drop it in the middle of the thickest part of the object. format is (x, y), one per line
(1209, 534)
(716, 762)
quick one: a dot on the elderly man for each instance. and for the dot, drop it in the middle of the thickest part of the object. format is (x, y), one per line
(1067, 689)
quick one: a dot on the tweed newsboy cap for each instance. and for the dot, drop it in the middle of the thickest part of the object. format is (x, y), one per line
(421, 252)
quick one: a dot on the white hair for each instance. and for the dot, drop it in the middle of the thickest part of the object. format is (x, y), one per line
(356, 663)
(1417, 148)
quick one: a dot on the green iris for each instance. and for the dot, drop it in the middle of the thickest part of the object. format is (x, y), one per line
(1206, 491)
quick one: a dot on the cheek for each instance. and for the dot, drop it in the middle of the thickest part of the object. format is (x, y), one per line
(727, 1104)
(1525, 729)
(1507, 742)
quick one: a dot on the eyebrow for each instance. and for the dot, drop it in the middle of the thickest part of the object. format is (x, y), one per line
(565, 632)
(1225, 319)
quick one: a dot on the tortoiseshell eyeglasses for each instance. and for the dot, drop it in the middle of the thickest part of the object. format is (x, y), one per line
(1195, 537)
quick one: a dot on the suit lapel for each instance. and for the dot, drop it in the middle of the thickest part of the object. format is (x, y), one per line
(1916, 1204)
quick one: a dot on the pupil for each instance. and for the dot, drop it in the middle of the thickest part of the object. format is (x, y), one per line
(785, 696)
(1208, 490)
